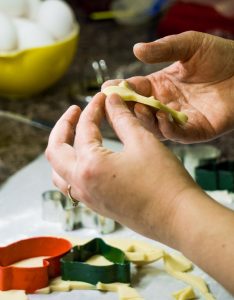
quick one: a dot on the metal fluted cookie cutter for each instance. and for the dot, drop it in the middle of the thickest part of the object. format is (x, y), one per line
(75, 268)
(57, 208)
(31, 279)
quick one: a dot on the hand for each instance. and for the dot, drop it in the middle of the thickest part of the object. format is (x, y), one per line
(143, 187)
(200, 83)
(143, 182)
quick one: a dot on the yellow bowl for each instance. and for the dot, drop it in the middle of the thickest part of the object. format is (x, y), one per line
(27, 72)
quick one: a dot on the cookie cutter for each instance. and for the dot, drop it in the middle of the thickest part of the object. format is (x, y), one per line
(216, 176)
(57, 208)
(31, 278)
(75, 268)
(90, 219)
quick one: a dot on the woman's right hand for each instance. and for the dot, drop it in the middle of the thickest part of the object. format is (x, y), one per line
(200, 83)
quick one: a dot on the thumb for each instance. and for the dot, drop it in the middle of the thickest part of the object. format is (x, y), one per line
(170, 48)
(127, 127)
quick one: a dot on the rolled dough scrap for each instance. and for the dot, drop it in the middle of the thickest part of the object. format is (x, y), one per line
(111, 287)
(178, 269)
(122, 289)
(125, 292)
(177, 262)
(59, 285)
(43, 291)
(209, 296)
(185, 294)
(128, 293)
(138, 252)
(128, 94)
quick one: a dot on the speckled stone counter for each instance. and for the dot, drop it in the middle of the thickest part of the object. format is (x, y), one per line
(21, 143)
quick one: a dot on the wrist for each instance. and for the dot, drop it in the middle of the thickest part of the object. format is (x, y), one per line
(203, 226)
(187, 213)
(203, 232)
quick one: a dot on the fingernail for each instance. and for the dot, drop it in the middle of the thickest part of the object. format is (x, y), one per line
(161, 115)
(170, 118)
(138, 45)
(164, 116)
(143, 111)
(114, 99)
(106, 83)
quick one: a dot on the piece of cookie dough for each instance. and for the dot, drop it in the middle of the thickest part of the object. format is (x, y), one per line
(124, 291)
(128, 94)
(178, 267)
(185, 294)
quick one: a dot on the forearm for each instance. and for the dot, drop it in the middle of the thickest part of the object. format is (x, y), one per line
(204, 232)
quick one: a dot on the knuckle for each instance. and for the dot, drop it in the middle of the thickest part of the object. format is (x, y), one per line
(191, 33)
(48, 153)
(90, 169)
(54, 181)
(121, 116)
(171, 51)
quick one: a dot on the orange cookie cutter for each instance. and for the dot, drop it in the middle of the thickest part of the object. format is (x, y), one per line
(31, 279)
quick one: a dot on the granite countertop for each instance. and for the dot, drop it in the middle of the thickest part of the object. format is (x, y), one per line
(21, 143)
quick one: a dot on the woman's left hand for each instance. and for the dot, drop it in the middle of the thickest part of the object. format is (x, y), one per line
(140, 186)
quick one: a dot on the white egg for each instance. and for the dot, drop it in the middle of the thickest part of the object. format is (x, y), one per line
(14, 7)
(8, 35)
(56, 17)
(33, 9)
(31, 35)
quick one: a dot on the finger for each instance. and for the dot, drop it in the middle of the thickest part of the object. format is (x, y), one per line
(110, 83)
(125, 124)
(64, 129)
(169, 129)
(170, 48)
(59, 151)
(148, 120)
(139, 84)
(88, 128)
(62, 185)
(59, 182)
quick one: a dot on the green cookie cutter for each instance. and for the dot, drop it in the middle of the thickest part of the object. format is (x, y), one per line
(75, 268)
(216, 176)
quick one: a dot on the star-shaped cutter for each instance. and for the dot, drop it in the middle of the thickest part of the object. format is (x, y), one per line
(31, 279)
(75, 268)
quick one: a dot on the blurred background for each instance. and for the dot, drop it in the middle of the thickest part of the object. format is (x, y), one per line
(38, 82)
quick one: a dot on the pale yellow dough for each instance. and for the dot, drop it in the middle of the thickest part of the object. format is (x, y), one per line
(124, 291)
(30, 262)
(128, 94)
(98, 260)
(179, 267)
(139, 253)
(185, 294)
